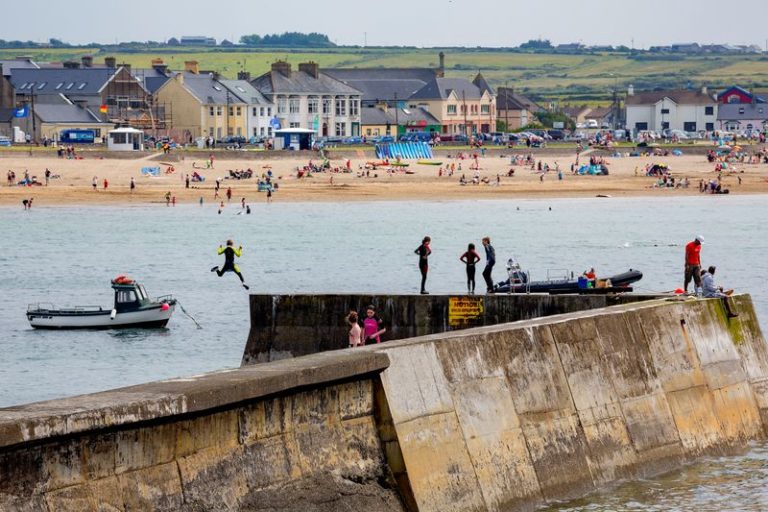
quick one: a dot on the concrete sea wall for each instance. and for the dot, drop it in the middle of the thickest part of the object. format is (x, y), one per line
(294, 325)
(493, 418)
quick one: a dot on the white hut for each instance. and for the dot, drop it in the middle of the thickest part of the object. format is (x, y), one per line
(125, 139)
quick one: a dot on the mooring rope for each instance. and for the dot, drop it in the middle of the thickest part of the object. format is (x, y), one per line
(188, 315)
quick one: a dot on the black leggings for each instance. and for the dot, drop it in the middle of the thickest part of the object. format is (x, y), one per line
(487, 276)
(423, 268)
(227, 268)
(471, 278)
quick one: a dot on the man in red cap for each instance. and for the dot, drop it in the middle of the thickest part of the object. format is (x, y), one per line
(693, 264)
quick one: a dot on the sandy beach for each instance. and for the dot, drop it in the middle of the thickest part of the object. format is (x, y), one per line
(626, 178)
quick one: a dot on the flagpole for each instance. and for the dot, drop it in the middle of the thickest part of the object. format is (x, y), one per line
(34, 124)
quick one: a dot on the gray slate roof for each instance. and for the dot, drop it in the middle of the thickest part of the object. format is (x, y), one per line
(8, 65)
(208, 90)
(440, 88)
(300, 82)
(150, 78)
(49, 113)
(384, 84)
(245, 92)
(679, 96)
(742, 112)
(376, 116)
(60, 81)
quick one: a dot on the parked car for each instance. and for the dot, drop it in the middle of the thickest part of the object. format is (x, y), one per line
(592, 123)
(456, 138)
(384, 139)
(352, 140)
(5, 141)
(556, 134)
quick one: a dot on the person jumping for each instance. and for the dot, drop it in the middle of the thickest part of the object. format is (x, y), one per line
(229, 253)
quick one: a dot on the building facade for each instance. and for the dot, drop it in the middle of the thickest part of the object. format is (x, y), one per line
(686, 110)
(460, 106)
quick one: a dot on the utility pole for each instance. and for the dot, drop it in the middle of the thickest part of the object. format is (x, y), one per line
(397, 122)
(506, 106)
(464, 107)
(32, 113)
(228, 107)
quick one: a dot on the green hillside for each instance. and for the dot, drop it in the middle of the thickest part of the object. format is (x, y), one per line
(578, 78)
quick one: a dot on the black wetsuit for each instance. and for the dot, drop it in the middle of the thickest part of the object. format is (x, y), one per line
(423, 251)
(470, 259)
(490, 261)
(229, 253)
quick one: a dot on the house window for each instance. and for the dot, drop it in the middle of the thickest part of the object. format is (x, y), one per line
(254, 112)
(231, 111)
(354, 107)
(326, 105)
(211, 112)
(641, 126)
(710, 127)
(261, 131)
(239, 112)
(294, 125)
(269, 111)
(341, 129)
(281, 106)
(709, 111)
(463, 109)
(741, 110)
(294, 105)
(689, 126)
(219, 111)
(664, 111)
(269, 131)
(313, 105)
(256, 131)
(451, 110)
(665, 125)
(341, 107)
(485, 109)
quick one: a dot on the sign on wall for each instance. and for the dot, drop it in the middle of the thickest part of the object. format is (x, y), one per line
(465, 312)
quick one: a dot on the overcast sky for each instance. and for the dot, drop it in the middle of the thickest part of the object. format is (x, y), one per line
(396, 22)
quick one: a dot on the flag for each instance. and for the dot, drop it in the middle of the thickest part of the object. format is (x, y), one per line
(274, 123)
(103, 109)
(21, 112)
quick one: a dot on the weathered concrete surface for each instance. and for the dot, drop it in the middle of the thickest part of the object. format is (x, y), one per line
(284, 326)
(250, 439)
(512, 416)
(495, 418)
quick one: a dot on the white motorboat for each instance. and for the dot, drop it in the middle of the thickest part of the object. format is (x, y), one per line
(132, 308)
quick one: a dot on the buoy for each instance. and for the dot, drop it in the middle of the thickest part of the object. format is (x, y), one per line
(113, 314)
(165, 307)
(679, 291)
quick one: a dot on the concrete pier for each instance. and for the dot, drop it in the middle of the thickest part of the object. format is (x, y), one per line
(493, 418)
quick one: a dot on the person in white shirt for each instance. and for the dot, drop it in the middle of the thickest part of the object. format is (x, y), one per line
(712, 291)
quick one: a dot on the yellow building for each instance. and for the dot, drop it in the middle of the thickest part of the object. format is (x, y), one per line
(201, 106)
(461, 106)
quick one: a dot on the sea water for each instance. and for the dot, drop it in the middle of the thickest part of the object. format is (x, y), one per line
(67, 255)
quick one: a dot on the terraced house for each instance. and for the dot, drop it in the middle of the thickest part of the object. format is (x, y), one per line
(307, 98)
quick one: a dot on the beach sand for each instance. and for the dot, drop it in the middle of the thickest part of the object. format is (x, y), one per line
(74, 186)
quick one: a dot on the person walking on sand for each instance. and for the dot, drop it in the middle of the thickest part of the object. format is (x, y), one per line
(693, 264)
(95, 183)
(133, 184)
(470, 258)
(106, 184)
(490, 261)
(423, 251)
(229, 194)
(230, 253)
(269, 195)
(168, 198)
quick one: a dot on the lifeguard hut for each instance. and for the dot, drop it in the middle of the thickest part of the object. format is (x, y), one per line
(125, 139)
(294, 138)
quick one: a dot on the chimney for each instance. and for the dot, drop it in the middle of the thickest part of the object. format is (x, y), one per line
(160, 66)
(310, 68)
(71, 64)
(382, 105)
(244, 75)
(126, 66)
(631, 90)
(704, 89)
(179, 77)
(192, 66)
(110, 62)
(87, 61)
(441, 68)
(282, 67)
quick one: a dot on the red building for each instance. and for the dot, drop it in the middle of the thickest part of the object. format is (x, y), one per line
(737, 95)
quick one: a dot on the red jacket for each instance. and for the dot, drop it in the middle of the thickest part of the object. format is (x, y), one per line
(693, 253)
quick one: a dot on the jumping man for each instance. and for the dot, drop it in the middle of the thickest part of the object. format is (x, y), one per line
(229, 253)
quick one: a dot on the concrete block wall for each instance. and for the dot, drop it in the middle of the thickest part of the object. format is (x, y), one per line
(284, 326)
(513, 416)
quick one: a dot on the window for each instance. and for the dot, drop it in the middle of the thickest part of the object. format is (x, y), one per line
(126, 296)
(254, 112)
(326, 106)
(269, 131)
(664, 111)
(219, 111)
(341, 129)
(239, 112)
(70, 85)
(463, 109)
(294, 125)
(710, 127)
(451, 110)
(741, 110)
(231, 111)
(341, 107)
(210, 132)
(269, 111)
(709, 111)
(61, 84)
(354, 107)
(211, 112)
(689, 126)
(261, 131)
(256, 132)
(294, 105)
(281, 105)
(42, 85)
(665, 125)
(261, 111)
(82, 86)
(313, 105)
(485, 109)
(641, 126)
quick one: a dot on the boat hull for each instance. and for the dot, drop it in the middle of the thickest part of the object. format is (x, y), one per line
(618, 282)
(145, 318)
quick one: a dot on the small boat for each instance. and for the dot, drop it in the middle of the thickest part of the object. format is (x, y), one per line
(519, 282)
(132, 308)
(429, 162)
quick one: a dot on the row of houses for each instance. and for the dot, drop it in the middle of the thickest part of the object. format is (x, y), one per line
(191, 103)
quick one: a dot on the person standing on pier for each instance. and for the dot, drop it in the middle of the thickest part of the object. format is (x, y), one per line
(470, 258)
(423, 251)
(693, 264)
(490, 261)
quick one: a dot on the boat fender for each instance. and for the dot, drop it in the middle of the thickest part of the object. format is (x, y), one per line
(165, 307)
(113, 314)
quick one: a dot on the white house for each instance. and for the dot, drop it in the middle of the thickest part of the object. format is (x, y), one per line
(690, 111)
(311, 100)
(260, 110)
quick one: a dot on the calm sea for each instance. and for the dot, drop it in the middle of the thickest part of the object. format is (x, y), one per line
(67, 255)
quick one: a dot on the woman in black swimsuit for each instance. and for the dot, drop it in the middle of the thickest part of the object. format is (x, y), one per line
(424, 251)
(470, 258)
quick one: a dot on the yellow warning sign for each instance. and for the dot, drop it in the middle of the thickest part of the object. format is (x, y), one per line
(465, 311)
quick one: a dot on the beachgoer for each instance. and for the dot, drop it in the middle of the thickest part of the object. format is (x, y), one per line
(490, 261)
(186, 181)
(355, 331)
(424, 251)
(229, 194)
(230, 253)
(372, 329)
(470, 259)
(25, 203)
(95, 183)
(590, 274)
(168, 198)
(133, 184)
(693, 264)
(106, 183)
(247, 209)
(269, 195)
(48, 177)
(712, 291)
(242, 203)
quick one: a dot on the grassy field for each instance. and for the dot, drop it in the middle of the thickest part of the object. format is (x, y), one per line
(568, 78)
